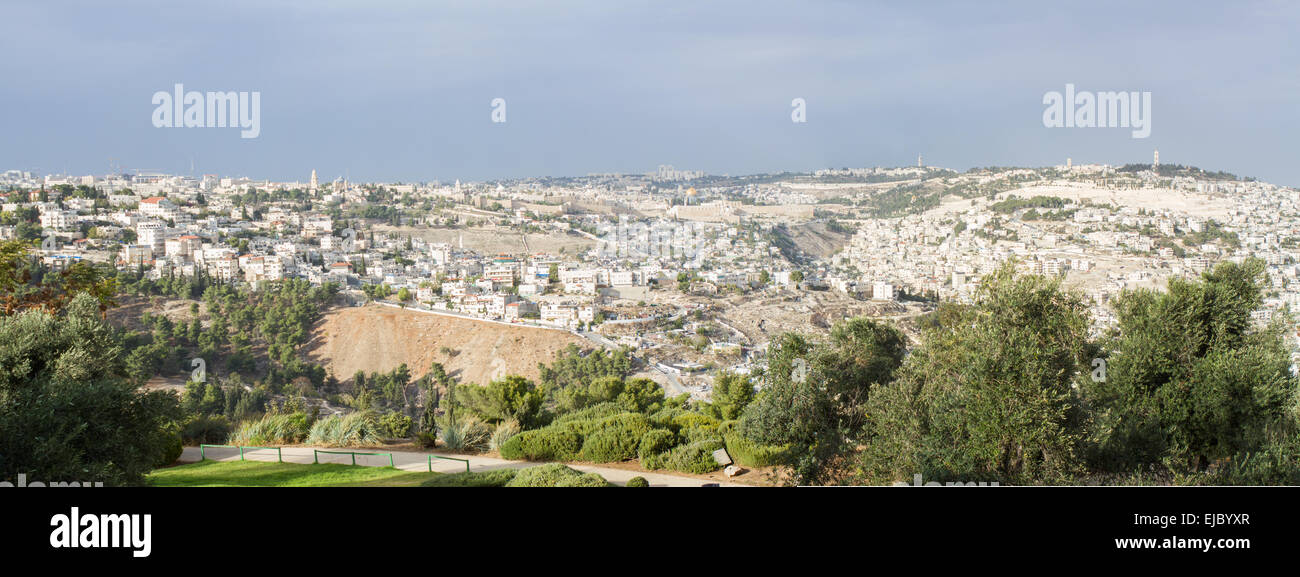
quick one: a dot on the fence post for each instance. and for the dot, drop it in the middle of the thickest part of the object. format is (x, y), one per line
(241, 453)
(390, 460)
(279, 455)
(203, 455)
(315, 459)
(354, 459)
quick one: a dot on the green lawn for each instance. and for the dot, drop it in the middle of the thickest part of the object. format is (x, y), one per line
(264, 474)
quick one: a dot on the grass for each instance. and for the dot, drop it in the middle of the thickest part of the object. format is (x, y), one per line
(263, 474)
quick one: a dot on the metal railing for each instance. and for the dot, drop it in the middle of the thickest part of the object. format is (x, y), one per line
(432, 457)
(315, 455)
(279, 455)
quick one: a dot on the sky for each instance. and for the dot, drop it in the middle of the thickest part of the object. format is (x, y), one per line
(403, 91)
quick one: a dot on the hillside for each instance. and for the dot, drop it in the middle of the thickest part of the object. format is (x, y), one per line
(378, 338)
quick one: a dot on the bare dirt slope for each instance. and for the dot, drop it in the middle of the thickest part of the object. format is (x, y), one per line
(377, 339)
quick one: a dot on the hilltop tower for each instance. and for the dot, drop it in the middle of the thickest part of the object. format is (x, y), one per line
(1155, 162)
(918, 162)
(314, 182)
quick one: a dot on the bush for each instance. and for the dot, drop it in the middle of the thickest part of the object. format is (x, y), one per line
(395, 426)
(656, 442)
(464, 435)
(696, 420)
(593, 413)
(695, 458)
(172, 452)
(751, 454)
(497, 478)
(616, 438)
(555, 475)
(549, 444)
(277, 429)
(504, 432)
(204, 429)
(607, 447)
(637, 482)
(426, 440)
(353, 430)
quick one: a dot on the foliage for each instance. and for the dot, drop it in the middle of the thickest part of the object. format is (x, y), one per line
(637, 482)
(68, 409)
(1189, 384)
(352, 430)
(572, 368)
(465, 434)
(616, 438)
(395, 426)
(511, 397)
(548, 444)
(731, 394)
(272, 429)
(988, 397)
(656, 442)
(494, 478)
(502, 433)
(555, 475)
(751, 454)
(205, 429)
(695, 457)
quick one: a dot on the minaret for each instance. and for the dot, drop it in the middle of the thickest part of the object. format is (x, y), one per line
(1156, 161)
(314, 182)
(918, 162)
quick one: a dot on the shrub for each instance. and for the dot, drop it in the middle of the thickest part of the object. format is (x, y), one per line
(696, 421)
(426, 440)
(637, 482)
(695, 457)
(352, 430)
(395, 426)
(504, 431)
(655, 462)
(497, 478)
(204, 429)
(549, 444)
(615, 438)
(555, 475)
(751, 454)
(173, 452)
(656, 442)
(606, 447)
(271, 429)
(464, 435)
(592, 413)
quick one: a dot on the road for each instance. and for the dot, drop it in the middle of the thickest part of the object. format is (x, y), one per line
(411, 461)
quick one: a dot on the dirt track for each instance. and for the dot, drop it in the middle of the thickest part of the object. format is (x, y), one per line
(376, 338)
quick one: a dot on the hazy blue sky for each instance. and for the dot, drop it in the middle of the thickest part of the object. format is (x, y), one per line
(402, 91)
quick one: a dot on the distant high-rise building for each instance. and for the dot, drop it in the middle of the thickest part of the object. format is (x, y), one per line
(1155, 163)
(918, 162)
(1069, 163)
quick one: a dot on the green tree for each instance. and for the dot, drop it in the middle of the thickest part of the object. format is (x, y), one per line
(1188, 382)
(512, 397)
(988, 396)
(731, 394)
(69, 411)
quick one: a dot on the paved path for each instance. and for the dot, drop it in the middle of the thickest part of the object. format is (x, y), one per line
(409, 461)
